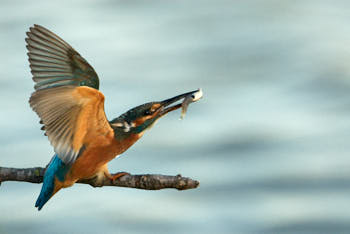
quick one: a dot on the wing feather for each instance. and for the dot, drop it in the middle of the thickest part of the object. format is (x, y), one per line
(55, 63)
(66, 98)
(69, 113)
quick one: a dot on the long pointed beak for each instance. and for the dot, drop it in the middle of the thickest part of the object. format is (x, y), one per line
(168, 102)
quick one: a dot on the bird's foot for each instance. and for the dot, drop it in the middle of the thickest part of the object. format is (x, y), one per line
(118, 175)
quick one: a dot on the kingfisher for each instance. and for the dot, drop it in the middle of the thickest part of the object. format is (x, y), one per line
(71, 110)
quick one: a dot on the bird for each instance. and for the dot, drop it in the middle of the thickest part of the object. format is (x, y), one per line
(70, 106)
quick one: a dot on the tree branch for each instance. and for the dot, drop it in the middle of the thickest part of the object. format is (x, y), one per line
(147, 181)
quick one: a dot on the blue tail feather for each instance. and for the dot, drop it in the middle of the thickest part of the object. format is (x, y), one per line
(56, 169)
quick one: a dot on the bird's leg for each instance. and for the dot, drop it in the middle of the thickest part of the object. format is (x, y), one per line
(118, 175)
(115, 176)
(110, 176)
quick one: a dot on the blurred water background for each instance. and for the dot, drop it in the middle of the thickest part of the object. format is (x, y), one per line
(268, 142)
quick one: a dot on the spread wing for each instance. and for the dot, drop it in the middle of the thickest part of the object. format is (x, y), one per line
(71, 115)
(54, 62)
(69, 110)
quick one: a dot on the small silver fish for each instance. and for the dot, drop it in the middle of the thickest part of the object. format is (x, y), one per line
(189, 99)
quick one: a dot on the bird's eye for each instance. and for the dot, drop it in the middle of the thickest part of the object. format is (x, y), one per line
(148, 112)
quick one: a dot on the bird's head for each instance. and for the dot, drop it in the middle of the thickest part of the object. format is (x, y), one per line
(140, 118)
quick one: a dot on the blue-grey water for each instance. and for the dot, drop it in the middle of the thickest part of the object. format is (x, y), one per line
(269, 141)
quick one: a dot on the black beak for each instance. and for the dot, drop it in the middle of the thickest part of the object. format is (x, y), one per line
(165, 104)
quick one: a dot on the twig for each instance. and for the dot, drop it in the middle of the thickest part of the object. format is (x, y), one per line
(147, 181)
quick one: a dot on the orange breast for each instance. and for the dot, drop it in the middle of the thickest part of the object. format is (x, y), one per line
(99, 151)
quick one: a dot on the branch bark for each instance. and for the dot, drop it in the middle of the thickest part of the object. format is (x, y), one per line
(147, 181)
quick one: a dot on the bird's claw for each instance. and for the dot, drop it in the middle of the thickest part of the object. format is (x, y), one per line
(118, 175)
